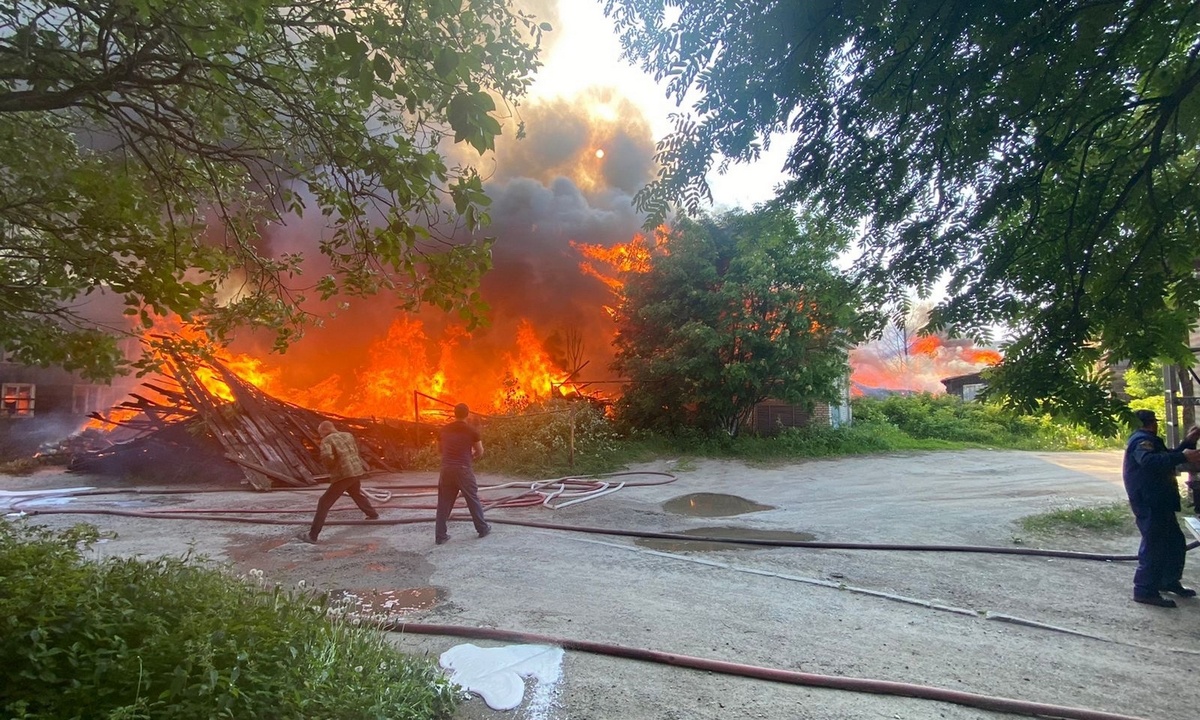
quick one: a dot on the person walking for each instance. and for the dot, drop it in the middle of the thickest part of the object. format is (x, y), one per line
(339, 453)
(1149, 474)
(460, 445)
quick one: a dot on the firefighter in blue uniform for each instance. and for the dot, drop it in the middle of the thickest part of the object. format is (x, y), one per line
(1149, 474)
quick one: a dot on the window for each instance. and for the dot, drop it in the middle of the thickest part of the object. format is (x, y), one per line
(18, 399)
(87, 399)
(970, 392)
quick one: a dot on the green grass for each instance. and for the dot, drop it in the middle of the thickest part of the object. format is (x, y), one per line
(172, 638)
(1114, 518)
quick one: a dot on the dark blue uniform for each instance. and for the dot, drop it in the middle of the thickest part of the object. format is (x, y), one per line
(1149, 474)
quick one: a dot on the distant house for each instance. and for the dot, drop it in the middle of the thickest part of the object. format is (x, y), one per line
(771, 416)
(966, 387)
(27, 392)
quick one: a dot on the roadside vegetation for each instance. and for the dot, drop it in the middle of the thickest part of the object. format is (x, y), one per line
(172, 638)
(538, 444)
(1111, 519)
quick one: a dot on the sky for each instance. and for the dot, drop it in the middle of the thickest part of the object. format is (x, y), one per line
(585, 53)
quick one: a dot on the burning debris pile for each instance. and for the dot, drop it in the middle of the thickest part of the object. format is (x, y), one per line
(209, 419)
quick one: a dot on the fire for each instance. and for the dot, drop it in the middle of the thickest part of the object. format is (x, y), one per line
(633, 256)
(421, 365)
(983, 356)
(918, 366)
(410, 370)
(113, 416)
(926, 345)
(530, 374)
(397, 364)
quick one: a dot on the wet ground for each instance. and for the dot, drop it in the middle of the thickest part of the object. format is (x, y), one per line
(712, 505)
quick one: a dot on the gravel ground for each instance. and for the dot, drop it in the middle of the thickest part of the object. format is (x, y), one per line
(1047, 630)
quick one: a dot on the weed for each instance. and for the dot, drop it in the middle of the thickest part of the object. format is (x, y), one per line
(20, 466)
(684, 464)
(537, 443)
(1105, 519)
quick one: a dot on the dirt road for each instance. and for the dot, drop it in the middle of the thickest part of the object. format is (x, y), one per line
(1038, 629)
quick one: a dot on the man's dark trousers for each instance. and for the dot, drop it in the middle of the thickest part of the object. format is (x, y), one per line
(351, 486)
(451, 482)
(1162, 554)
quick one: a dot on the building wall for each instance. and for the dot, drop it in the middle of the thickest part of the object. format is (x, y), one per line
(55, 392)
(771, 416)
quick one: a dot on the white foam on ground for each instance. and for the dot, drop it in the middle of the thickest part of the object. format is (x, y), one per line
(498, 674)
(37, 497)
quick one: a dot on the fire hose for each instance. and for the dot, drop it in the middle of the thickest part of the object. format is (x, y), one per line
(215, 515)
(791, 677)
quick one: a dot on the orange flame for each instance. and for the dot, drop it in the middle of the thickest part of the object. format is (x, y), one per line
(982, 356)
(633, 256)
(926, 345)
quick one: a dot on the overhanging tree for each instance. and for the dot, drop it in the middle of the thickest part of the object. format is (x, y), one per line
(1041, 158)
(730, 312)
(145, 144)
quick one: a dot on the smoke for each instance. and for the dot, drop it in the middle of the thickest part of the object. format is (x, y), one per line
(571, 178)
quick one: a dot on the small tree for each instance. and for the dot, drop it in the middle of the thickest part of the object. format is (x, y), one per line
(730, 312)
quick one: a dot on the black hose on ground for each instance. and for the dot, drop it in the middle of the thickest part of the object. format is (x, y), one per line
(811, 544)
(791, 677)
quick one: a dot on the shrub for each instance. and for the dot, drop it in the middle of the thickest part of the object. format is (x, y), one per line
(945, 417)
(167, 638)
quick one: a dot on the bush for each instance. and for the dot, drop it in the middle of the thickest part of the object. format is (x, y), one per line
(945, 417)
(126, 638)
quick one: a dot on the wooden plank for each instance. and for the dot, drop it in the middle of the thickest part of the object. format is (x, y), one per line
(269, 472)
(260, 423)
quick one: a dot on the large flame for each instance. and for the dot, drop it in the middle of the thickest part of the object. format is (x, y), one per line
(418, 368)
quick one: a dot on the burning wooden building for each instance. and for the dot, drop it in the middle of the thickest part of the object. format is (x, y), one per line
(199, 416)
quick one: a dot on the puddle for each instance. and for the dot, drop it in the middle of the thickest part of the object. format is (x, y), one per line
(387, 602)
(712, 505)
(725, 532)
(351, 551)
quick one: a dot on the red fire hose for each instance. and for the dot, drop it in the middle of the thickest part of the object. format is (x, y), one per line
(791, 677)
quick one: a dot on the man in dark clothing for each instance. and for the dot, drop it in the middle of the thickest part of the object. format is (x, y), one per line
(339, 453)
(1149, 474)
(461, 445)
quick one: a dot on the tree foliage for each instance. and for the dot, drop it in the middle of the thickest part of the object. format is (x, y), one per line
(730, 312)
(1144, 383)
(146, 144)
(1041, 158)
